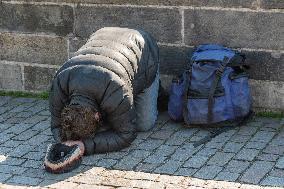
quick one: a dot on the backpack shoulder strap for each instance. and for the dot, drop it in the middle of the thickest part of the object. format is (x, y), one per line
(188, 73)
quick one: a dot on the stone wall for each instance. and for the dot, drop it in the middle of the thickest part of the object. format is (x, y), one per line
(37, 36)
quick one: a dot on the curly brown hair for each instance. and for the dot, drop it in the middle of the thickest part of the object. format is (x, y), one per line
(78, 123)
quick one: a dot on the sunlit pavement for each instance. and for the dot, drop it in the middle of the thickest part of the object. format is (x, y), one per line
(251, 156)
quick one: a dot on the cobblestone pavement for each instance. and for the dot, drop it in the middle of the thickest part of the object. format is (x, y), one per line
(251, 156)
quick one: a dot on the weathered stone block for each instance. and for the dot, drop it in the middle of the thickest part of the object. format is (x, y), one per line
(267, 94)
(272, 4)
(33, 48)
(207, 3)
(163, 23)
(234, 28)
(37, 78)
(36, 18)
(173, 59)
(265, 65)
(10, 77)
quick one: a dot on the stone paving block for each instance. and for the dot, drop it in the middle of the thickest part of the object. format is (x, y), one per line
(263, 136)
(150, 144)
(15, 120)
(93, 159)
(169, 167)
(274, 150)
(11, 143)
(175, 140)
(4, 177)
(169, 125)
(165, 150)
(5, 137)
(273, 181)
(37, 172)
(207, 152)
(256, 172)
(228, 176)
(24, 180)
(233, 147)
(256, 145)
(38, 139)
(280, 163)
(277, 173)
(35, 119)
(11, 169)
(4, 126)
(25, 135)
(278, 141)
(185, 172)
(90, 19)
(267, 157)
(24, 114)
(182, 154)
(240, 138)
(235, 166)
(247, 154)
(41, 126)
(33, 164)
(19, 128)
(4, 100)
(140, 153)
(162, 134)
(155, 159)
(196, 161)
(5, 150)
(247, 131)
(220, 158)
(215, 145)
(127, 163)
(208, 172)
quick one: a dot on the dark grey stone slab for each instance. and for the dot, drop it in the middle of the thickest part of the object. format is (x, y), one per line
(265, 65)
(163, 23)
(41, 49)
(255, 30)
(37, 78)
(173, 59)
(36, 18)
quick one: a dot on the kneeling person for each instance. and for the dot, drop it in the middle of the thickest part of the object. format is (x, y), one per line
(107, 92)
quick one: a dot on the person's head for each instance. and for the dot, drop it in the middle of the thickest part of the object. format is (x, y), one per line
(78, 122)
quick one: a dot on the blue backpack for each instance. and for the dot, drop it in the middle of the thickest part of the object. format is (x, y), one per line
(213, 89)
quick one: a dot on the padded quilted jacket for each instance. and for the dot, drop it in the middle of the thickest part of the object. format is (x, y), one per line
(106, 73)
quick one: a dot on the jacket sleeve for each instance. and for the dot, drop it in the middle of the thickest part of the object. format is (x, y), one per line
(121, 116)
(57, 101)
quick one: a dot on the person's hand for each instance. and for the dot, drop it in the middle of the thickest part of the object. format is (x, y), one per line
(74, 142)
